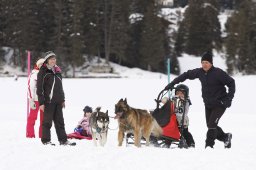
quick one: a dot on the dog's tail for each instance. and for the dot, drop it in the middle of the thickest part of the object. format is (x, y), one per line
(157, 130)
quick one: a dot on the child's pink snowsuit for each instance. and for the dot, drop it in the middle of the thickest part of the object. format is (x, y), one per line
(84, 123)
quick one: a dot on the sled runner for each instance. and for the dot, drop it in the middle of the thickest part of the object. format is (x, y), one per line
(166, 118)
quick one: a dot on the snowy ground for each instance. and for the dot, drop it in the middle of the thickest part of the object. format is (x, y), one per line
(18, 152)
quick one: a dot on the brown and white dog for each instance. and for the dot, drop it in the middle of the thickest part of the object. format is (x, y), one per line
(137, 121)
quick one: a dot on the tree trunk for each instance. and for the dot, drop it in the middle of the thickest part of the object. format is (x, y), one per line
(74, 71)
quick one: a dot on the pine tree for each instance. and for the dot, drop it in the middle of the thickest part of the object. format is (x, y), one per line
(2, 21)
(152, 50)
(70, 42)
(112, 29)
(241, 39)
(134, 32)
(91, 27)
(31, 31)
(181, 36)
(107, 18)
(31, 27)
(119, 37)
(50, 15)
(76, 37)
(250, 67)
(231, 44)
(132, 52)
(21, 34)
(202, 26)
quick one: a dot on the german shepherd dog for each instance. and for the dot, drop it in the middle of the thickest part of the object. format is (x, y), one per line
(136, 121)
(99, 126)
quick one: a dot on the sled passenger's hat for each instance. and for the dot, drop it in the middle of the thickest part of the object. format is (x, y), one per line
(87, 109)
(40, 62)
(48, 55)
(207, 56)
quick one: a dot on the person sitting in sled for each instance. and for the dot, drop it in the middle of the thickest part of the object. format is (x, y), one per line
(83, 126)
(182, 92)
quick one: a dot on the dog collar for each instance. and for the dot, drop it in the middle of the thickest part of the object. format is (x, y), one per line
(98, 129)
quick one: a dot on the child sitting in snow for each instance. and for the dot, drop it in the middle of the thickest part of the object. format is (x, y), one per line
(83, 126)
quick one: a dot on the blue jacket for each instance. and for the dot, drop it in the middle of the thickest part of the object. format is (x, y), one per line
(213, 85)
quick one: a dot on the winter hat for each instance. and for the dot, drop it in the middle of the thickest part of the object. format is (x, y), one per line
(87, 109)
(48, 54)
(207, 56)
(40, 62)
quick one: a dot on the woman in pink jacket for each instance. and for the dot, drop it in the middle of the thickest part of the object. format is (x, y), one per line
(33, 102)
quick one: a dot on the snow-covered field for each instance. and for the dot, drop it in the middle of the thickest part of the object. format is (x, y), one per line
(18, 152)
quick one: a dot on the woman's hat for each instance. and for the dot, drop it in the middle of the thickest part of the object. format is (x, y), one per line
(48, 54)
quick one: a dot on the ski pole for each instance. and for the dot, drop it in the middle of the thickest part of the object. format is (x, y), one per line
(169, 73)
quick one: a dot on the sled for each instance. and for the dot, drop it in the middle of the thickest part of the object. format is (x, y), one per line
(76, 135)
(166, 118)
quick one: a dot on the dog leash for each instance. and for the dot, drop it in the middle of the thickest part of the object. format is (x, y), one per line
(117, 125)
(113, 129)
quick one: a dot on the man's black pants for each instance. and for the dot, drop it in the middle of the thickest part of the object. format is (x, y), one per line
(213, 116)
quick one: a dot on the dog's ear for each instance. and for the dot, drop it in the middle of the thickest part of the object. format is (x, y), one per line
(125, 101)
(107, 112)
(121, 100)
(98, 109)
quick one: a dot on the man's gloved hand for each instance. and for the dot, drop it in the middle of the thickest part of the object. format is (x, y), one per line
(226, 102)
(169, 86)
(32, 104)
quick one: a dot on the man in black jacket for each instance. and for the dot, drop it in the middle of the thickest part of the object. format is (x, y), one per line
(215, 97)
(51, 100)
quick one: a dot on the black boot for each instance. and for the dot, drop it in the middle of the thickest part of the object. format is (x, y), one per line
(208, 146)
(210, 137)
(227, 141)
(189, 138)
(153, 140)
(167, 144)
(48, 143)
(192, 145)
(67, 143)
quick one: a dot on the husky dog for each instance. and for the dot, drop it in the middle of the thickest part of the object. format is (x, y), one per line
(137, 121)
(99, 126)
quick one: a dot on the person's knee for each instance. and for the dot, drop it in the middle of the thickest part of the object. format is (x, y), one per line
(47, 125)
(212, 125)
(59, 123)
